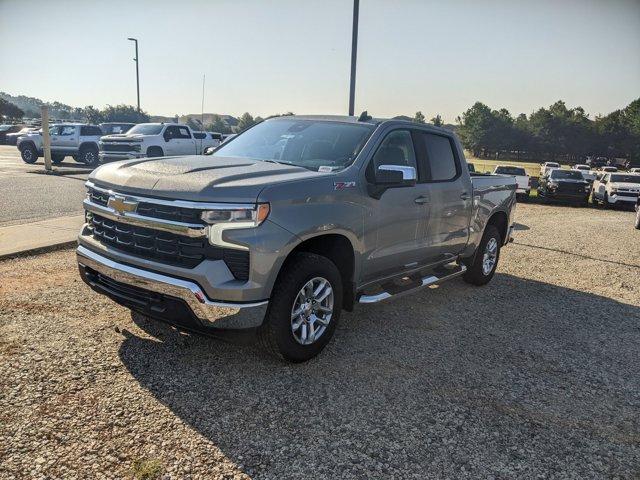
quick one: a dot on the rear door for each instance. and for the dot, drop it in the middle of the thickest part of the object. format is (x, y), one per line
(68, 139)
(446, 230)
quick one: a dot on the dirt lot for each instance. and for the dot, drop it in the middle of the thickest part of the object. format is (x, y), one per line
(537, 374)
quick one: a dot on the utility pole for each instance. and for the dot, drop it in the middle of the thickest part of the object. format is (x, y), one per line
(46, 139)
(137, 71)
(354, 54)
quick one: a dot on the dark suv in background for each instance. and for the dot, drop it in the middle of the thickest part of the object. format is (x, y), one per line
(564, 186)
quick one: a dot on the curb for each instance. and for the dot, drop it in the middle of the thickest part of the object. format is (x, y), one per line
(39, 250)
(76, 171)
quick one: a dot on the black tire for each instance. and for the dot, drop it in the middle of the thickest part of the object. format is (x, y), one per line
(155, 152)
(29, 153)
(57, 158)
(88, 155)
(637, 225)
(276, 334)
(605, 201)
(475, 274)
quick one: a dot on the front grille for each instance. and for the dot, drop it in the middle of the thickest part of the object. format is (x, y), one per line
(627, 194)
(119, 147)
(154, 210)
(570, 188)
(166, 247)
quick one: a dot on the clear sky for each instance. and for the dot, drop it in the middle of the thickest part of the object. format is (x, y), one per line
(290, 55)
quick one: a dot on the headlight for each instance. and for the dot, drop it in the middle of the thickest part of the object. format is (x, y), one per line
(234, 217)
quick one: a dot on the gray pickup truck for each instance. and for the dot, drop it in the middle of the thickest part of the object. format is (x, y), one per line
(289, 223)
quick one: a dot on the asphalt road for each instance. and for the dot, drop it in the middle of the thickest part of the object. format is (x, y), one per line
(28, 197)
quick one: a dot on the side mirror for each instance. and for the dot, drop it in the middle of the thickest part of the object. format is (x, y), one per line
(209, 150)
(396, 176)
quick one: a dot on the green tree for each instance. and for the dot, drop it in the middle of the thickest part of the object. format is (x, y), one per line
(419, 117)
(437, 121)
(246, 121)
(123, 113)
(218, 125)
(9, 110)
(92, 115)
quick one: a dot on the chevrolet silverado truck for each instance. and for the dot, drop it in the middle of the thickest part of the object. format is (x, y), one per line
(77, 140)
(155, 140)
(288, 224)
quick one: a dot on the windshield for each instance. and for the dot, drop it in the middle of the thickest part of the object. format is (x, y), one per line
(147, 129)
(306, 143)
(625, 178)
(4, 128)
(552, 164)
(510, 170)
(555, 174)
(582, 167)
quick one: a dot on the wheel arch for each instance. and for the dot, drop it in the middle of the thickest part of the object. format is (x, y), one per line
(500, 220)
(152, 147)
(92, 145)
(337, 248)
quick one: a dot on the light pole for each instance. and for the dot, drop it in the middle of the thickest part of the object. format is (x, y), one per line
(137, 72)
(354, 54)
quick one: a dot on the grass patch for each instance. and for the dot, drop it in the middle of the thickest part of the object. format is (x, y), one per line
(147, 469)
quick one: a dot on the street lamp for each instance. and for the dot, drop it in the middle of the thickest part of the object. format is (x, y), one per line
(137, 72)
(354, 53)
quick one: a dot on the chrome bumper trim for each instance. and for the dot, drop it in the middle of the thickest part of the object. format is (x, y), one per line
(211, 313)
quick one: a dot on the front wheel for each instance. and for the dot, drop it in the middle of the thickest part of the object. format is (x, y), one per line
(481, 271)
(57, 158)
(304, 308)
(29, 154)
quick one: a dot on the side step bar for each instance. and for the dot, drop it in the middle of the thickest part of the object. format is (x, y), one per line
(444, 274)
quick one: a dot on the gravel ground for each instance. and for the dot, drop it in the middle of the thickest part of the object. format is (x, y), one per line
(535, 375)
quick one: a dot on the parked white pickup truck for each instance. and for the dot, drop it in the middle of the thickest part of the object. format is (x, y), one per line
(75, 139)
(612, 189)
(522, 179)
(154, 140)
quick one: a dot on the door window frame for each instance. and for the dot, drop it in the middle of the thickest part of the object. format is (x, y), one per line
(424, 157)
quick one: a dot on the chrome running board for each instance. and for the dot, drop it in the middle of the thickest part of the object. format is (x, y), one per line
(443, 274)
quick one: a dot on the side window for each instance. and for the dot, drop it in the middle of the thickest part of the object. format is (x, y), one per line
(183, 132)
(170, 132)
(441, 161)
(67, 130)
(199, 135)
(396, 149)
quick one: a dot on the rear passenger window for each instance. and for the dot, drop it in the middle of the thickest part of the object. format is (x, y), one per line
(440, 157)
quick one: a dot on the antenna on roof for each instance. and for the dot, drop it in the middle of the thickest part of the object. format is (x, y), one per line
(364, 116)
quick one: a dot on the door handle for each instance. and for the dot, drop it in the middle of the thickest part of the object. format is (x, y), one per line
(421, 200)
(464, 196)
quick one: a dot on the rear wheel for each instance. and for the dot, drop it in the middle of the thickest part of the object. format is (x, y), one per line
(637, 225)
(304, 309)
(481, 271)
(29, 153)
(57, 158)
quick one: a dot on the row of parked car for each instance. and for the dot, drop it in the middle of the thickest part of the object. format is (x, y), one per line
(92, 144)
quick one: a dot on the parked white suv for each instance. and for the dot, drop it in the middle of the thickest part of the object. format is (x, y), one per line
(155, 140)
(612, 189)
(522, 179)
(75, 139)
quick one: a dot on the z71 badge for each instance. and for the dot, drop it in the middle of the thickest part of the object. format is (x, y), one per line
(343, 185)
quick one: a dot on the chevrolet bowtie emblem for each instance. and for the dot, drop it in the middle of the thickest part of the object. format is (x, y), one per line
(121, 205)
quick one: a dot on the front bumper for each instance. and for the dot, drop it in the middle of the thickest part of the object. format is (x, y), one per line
(115, 156)
(567, 196)
(626, 199)
(174, 300)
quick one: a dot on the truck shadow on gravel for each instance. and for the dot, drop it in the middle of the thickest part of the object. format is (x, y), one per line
(515, 379)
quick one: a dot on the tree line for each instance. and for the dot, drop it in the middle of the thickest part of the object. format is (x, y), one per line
(553, 133)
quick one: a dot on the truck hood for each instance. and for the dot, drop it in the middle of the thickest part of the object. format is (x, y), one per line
(631, 186)
(197, 178)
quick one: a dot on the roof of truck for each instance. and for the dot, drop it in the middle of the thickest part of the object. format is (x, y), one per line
(356, 119)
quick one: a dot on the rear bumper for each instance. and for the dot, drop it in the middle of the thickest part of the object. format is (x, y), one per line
(174, 300)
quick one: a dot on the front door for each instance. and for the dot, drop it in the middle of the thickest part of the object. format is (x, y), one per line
(68, 139)
(393, 220)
